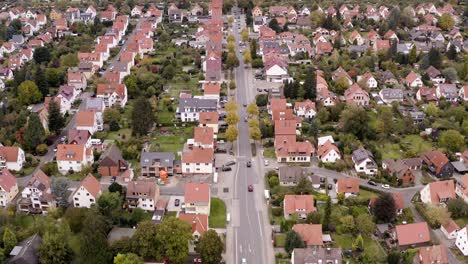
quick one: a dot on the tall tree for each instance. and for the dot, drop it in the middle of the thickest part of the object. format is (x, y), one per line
(34, 133)
(232, 118)
(41, 55)
(452, 52)
(310, 84)
(327, 214)
(446, 21)
(94, 247)
(232, 61)
(210, 247)
(56, 120)
(434, 58)
(413, 55)
(274, 25)
(142, 116)
(384, 207)
(9, 240)
(293, 240)
(253, 49)
(41, 81)
(255, 133)
(231, 134)
(145, 241)
(54, 249)
(109, 205)
(452, 140)
(365, 224)
(129, 258)
(252, 109)
(355, 120)
(174, 235)
(28, 93)
(304, 186)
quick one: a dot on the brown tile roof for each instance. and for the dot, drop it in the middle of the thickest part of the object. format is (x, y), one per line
(411, 77)
(92, 185)
(40, 181)
(198, 155)
(7, 180)
(212, 88)
(209, 118)
(324, 149)
(142, 188)
(70, 152)
(76, 136)
(411, 234)
(463, 184)
(285, 127)
(197, 192)
(85, 118)
(442, 190)
(199, 222)
(311, 234)
(348, 185)
(10, 154)
(433, 254)
(203, 135)
(436, 159)
(110, 88)
(451, 226)
(293, 203)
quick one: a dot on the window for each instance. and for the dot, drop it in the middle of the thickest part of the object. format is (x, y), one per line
(77, 205)
(76, 199)
(91, 200)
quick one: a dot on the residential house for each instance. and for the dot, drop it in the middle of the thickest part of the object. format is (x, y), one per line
(97, 106)
(87, 193)
(341, 73)
(7, 48)
(450, 229)
(55, 14)
(137, 11)
(77, 80)
(198, 161)
(463, 93)
(189, 109)
(368, 80)
(431, 254)
(462, 240)
(400, 169)
(73, 158)
(412, 235)
(399, 203)
(435, 75)
(347, 186)
(427, 95)
(438, 164)
(198, 222)
(257, 11)
(211, 90)
(305, 109)
(356, 95)
(276, 70)
(390, 95)
(203, 137)
(113, 94)
(111, 162)
(155, 164)
(328, 152)
(413, 80)
(448, 91)
(142, 194)
(6, 73)
(436, 193)
(462, 188)
(8, 187)
(356, 38)
(209, 119)
(66, 96)
(37, 196)
(12, 158)
(197, 198)
(316, 255)
(299, 205)
(291, 175)
(364, 161)
(79, 137)
(86, 120)
(311, 234)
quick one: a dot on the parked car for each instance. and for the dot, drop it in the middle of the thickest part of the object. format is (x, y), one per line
(266, 163)
(230, 163)
(371, 182)
(385, 186)
(330, 186)
(250, 188)
(221, 150)
(225, 168)
(249, 164)
(176, 202)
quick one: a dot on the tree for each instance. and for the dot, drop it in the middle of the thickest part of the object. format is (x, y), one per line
(342, 84)
(231, 106)
(54, 248)
(358, 243)
(437, 215)
(365, 224)
(253, 122)
(146, 243)
(413, 55)
(75, 217)
(116, 187)
(247, 57)
(129, 258)
(232, 61)
(434, 58)
(232, 118)
(55, 118)
(111, 114)
(34, 133)
(314, 218)
(231, 45)
(304, 186)
(245, 35)
(347, 224)
(231, 133)
(431, 110)
(142, 116)
(274, 25)
(394, 257)
(452, 140)
(109, 205)
(69, 60)
(252, 109)
(210, 247)
(355, 120)
(41, 55)
(310, 84)
(385, 121)
(255, 133)
(232, 85)
(28, 93)
(327, 214)
(131, 82)
(9, 240)
(457, 207)
(93, 240)
(41, 81)
(168, 72)
(231, 38)
(59, 188)
(384, 207)
(450, 74)
(174, 235)
(293, 240)
(446, 22)
(452, 52)
(253, 49)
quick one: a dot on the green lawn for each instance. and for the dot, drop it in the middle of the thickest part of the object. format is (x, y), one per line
(280, 240)
(412, 142)
(122, 135)
(166, 117)
(269, 153)
(172, 213)
(217, 217)
(345, 241)
(367, 194)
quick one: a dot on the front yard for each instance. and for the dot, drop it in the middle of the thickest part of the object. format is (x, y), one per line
(217, 217)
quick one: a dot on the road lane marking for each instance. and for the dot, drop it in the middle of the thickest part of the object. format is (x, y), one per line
(250, 250)
(235, 238)
(240, 249)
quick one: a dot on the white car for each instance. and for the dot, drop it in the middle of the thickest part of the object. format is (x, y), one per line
(385, 186)
(243, 260)
(266, 162)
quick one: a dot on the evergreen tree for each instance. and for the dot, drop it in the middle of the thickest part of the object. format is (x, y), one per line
(310, 84)
(142, 116)
(293, 240)
(294, 89)
(328, 22)
(413, 55)
(253, 49)
(34, 133)
(41, 81)
(286, 89)
(327, 214)
(56, 120)
(274, 25)
(434, 58)
(452, 52)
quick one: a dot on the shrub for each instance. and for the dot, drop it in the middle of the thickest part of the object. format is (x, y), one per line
(41, 149)
(277, 211)
(50, 169)
(273, 181)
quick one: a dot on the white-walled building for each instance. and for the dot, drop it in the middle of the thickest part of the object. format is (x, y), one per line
(12, 158)
(87, 193)
(197, 198)
(462, 240)
(8, 187)
(142, 194)
(73, 158)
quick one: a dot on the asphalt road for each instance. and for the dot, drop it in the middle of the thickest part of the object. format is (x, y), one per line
(252, 241)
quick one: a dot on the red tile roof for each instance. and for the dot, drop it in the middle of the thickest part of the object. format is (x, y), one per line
(209, 118)
(293, 203)
(411, 234)
(348, 185)
(198, 155)
(311, 234)
(435, 158)
(203, 135)
(7, 180)
(441, 190)
(433, 254)
(70, 152)
(92, 185)
(197, 192)
(212, 88)
(199, 222)
(85, 118)
(10, 154)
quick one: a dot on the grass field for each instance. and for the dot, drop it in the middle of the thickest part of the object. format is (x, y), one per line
(122, 135)
(413, 142)
(269, 153)
(217, 217)
(280, 240)
(345, 241)
(367, 194)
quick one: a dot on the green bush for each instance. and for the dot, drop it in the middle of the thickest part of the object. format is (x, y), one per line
(277, 211)
(273, 181)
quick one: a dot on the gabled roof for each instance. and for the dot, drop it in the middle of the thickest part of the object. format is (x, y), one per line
(433, 254)
(285, 127)
(198, 222)
(142, 188)
(203, 135)
(311, 234)
(7, 180)
(10, 154)
(40, 181)
(70, 152)
(410, 234)
(111, 157)
(348, 185)
(324, 149)
(435, 158)
(92, 185)
(198, 155)
(196, 192)
(209, 118)
(85, 118)
(441, 190)
(291, 173)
